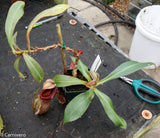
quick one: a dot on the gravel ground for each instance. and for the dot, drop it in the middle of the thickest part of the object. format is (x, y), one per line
(120, 5)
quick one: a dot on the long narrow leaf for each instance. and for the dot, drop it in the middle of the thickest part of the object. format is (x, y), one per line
(154, 123)
(58, 9)
(16, 11)
(77, 107)
(65, 80)
(61, 1)
(109, 110)
(82, 68)
(34, 67)
(1, 124)
(14, 41)
(124, 69)
(16, 66)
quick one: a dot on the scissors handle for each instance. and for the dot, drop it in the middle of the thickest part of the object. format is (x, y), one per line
(140, 86)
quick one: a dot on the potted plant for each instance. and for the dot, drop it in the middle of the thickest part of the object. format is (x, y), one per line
(88, 79)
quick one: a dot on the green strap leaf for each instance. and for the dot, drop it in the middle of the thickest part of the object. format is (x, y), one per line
(65, 80)
(16, 66)
(82, 68)
(124, 69)
(34, 67)
(14, 41)
(58, 9)
(77, 107)
(109, 110)
(15, 12)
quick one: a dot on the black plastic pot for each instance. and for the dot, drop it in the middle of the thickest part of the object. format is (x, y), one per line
(73, 91)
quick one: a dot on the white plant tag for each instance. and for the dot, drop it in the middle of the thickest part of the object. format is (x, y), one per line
(96, 64)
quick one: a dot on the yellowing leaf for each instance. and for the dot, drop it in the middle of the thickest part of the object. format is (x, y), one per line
(58, 9)
(16, 66)
(34, 67)
(1, 124)
(15, 12)
(61, 1)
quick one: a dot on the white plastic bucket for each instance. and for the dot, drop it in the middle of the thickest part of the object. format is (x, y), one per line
(145, 45)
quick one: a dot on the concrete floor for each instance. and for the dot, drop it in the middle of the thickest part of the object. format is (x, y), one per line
(95, 16)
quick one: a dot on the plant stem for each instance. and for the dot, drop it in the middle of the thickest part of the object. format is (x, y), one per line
(62, 49)
(74, 73)
(20, 52)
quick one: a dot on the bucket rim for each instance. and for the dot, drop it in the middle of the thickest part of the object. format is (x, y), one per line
(141, 27)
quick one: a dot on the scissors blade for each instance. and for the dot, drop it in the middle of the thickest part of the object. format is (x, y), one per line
(127, 80)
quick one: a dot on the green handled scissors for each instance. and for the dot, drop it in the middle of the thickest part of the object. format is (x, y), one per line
(140, 86)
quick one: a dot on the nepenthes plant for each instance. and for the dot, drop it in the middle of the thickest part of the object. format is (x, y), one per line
(78, 105)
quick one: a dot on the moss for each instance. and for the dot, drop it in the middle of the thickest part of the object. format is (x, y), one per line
(108, 1)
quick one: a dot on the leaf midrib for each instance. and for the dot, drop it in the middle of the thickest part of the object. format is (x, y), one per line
(109, 77)
(86, 97)
(101, 97)
(34, 68)
(10, 33)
